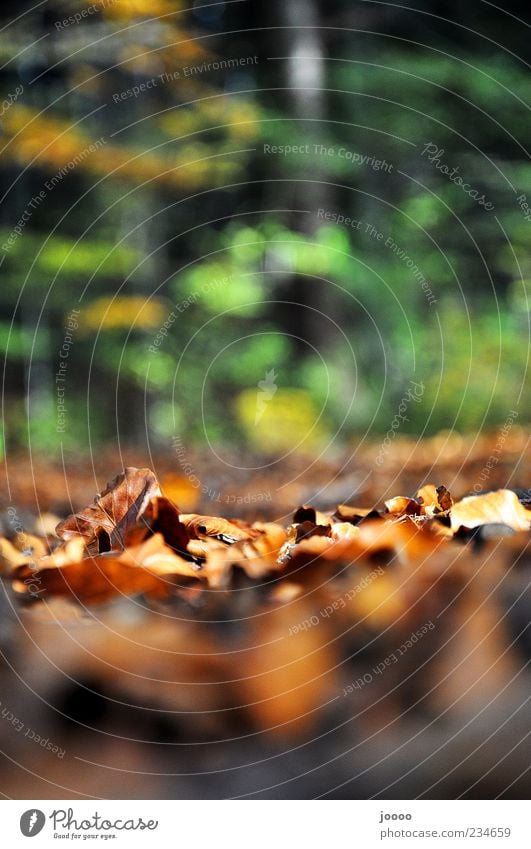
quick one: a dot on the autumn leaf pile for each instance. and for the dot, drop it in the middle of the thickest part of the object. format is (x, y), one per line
(135, 541)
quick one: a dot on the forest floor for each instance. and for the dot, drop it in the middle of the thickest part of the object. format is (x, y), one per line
(374, 658)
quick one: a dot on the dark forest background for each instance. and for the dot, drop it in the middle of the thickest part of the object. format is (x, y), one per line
(179, 272)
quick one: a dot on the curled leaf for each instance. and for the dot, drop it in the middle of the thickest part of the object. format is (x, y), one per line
(160, 516)
(354, 515)
(259, 555)
(105, 523)
(70, 552)
(402, 506)
(146, 568)
(344, 531)
(434, 499)
(217, 528)
(306, 513)
(501, 507)
(307, 529)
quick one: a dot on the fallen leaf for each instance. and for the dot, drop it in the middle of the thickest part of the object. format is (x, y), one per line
(160, 516)
(21, 549)
(355, 515)
(70, 552)
(104, 524)
(406, 539)
(306, 513)
(285, 592)
(146, 568)
(306, 529)
(45, 524)
(344, 531)
(434, 499)
(444, 498)
(31, 544)
(402, 506)
(217, 528)
(134, 540)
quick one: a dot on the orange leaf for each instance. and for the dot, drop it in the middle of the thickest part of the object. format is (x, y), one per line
(434, 499)
(346, 513)
(220, 529)
(146, 568)
(105, 523)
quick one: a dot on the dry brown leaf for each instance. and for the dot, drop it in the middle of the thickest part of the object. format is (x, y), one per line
(217, 528)
(260, 555)
(306, 529)
(217, 568)
(256, 557)
(146, 568)
(434, 499)
(285, 592)
(499, 507)
(346, 513)
(402, 506)
(45, 524)
(133, 540)
(307, 513)
(22, 548)
(427, 496)
(158, 557)
(105, 523)
(437, 528)
(201, 548)
(36, 546)
(160, 516)
(404, 539)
